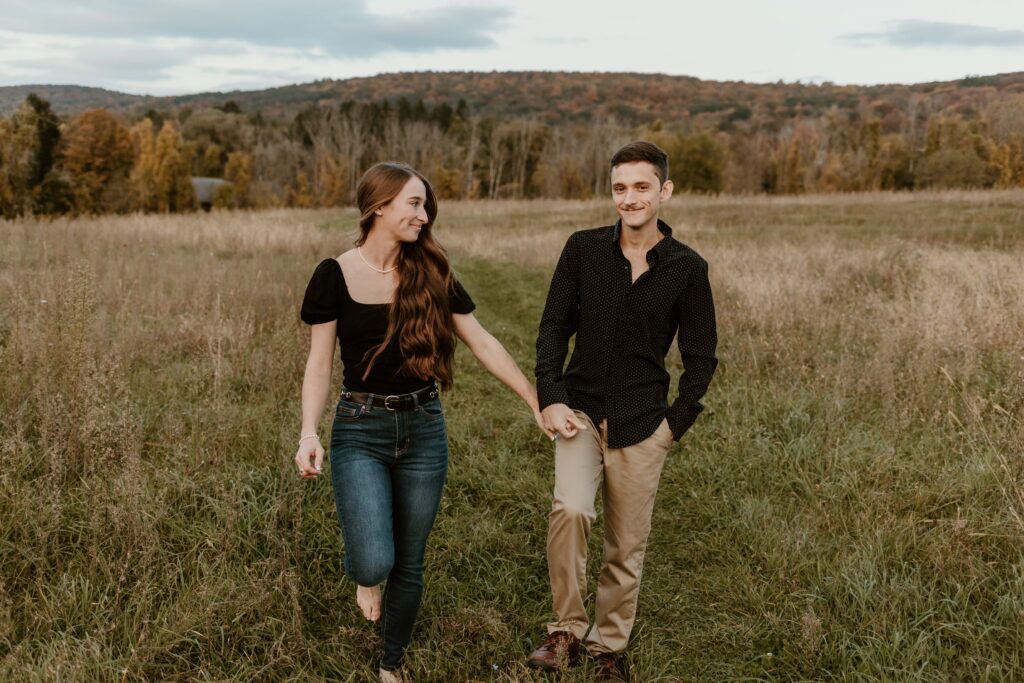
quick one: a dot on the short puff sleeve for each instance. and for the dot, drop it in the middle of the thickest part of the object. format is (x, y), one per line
(322, 302)
(459, 300)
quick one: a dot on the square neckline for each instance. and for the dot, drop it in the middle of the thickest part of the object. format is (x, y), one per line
(344, 284)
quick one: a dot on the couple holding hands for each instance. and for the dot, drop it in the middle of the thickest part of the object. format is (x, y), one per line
(394, 308)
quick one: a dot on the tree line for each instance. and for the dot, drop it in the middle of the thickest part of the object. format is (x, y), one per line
(99, 162)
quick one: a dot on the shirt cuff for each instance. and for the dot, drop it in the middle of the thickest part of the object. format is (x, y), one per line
(551, 393)
(681, 418)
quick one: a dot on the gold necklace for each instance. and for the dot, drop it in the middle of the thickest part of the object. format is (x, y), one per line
(373, 267)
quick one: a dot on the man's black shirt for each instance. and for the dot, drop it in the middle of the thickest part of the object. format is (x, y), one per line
(623, 332)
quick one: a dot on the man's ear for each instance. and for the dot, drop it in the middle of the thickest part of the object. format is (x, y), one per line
(666, 190)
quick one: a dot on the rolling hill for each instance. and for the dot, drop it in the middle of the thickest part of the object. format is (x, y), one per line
(550, 96)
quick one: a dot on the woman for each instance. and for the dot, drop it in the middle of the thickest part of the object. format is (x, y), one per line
(395, 308)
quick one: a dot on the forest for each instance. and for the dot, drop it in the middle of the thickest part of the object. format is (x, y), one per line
(280, 149)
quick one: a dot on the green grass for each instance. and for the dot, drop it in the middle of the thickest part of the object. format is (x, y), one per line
(848, 508)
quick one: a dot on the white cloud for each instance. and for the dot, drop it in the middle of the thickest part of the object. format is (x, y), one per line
(340, 29)
(916, 33)
(186, 46)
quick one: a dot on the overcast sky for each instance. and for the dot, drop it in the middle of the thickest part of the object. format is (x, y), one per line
(186, 46)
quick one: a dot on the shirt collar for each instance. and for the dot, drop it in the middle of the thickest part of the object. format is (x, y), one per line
(659, 250)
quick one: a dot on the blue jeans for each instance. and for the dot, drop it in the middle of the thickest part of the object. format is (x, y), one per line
(388, 470)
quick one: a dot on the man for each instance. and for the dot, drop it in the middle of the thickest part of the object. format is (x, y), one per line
(624, 291)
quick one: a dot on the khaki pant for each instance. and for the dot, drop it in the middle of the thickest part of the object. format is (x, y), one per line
(630, 483)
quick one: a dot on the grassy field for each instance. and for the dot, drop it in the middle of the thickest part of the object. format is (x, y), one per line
(849, 508)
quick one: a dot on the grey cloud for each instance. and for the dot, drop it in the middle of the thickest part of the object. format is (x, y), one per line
(102, 63)
(152, 66)
(917, 33)
(340, 29)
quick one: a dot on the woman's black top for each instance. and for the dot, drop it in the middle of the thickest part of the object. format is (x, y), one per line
(361, 328)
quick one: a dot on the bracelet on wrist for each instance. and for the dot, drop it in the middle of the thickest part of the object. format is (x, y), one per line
(309, 436)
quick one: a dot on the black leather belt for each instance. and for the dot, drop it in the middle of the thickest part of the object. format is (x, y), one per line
(398, 402)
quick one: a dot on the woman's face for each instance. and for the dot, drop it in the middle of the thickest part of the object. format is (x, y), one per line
(404, 216)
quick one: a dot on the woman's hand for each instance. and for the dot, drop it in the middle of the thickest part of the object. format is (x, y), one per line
(310, 458)
(539, 419)
(316, 383)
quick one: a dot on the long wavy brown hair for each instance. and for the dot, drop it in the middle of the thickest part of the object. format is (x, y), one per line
(419, 313)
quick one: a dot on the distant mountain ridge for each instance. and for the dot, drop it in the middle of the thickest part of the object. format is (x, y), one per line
(71, 99)
(551, 96)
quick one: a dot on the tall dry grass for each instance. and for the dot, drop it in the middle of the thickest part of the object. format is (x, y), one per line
(850, 507)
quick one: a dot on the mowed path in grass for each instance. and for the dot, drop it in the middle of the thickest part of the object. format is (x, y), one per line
(849, 507)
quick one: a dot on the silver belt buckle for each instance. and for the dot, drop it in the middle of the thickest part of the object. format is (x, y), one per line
(387, 405)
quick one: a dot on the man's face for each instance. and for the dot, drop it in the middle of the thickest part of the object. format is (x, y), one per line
(638, 193)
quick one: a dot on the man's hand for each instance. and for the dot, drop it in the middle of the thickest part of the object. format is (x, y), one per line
(560, 418)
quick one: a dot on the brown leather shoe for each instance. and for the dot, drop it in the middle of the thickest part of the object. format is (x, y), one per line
(560, 650)
(609, 667)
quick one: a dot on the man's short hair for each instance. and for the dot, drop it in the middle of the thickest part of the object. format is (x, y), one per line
(641, 150)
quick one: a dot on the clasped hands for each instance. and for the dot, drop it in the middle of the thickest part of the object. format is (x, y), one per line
(559, 419)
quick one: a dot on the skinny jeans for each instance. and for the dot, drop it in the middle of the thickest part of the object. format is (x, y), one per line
(388, 470)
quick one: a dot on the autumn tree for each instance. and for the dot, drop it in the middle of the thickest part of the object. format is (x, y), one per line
(332, 181)
(1004, 118)
(211, 162)
(720, 137)
(16, 140)
(698, 164)
(173, 180)
(897, 167)
(496, 153)
(160, 176)
(525, 140)
(447, 182)
(238, 171)
(98, 155)
(348, 136)
(299, 194)
(950, 167)
(28, 148)
(143, 174)
(47, 137)
(560, 170)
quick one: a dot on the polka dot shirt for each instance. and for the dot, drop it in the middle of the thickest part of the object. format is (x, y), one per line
(623, 332)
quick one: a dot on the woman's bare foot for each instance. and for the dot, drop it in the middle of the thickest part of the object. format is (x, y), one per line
(389, 676)
(368, 599)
